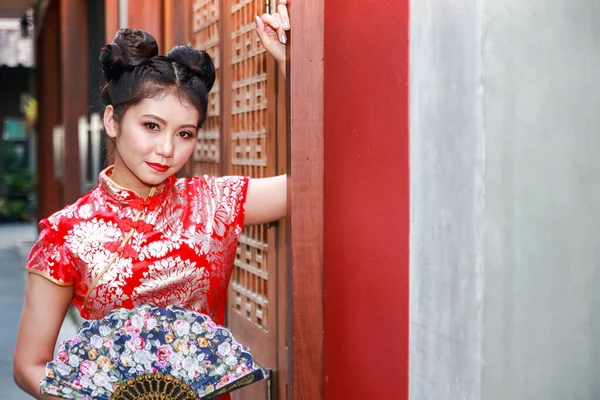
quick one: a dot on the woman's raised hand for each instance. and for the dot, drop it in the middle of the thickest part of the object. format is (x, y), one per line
(271, 29)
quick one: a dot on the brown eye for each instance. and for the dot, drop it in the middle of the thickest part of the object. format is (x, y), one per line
(186, 135)
(152, 126)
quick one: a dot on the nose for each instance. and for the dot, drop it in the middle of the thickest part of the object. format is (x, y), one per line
(165, 146)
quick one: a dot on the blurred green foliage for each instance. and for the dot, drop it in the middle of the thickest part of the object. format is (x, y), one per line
(17, 186)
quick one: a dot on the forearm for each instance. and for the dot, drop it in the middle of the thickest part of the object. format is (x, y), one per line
(44, 311)
(29, 378)
(282, 68)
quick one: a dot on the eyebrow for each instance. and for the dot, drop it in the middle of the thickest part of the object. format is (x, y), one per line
(162, 121)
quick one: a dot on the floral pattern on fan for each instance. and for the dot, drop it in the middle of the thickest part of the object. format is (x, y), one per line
(149, 340)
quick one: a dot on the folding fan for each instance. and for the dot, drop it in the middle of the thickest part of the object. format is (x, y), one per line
(150, 353)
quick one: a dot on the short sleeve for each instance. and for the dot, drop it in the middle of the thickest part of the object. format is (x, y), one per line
(228, 194)
(50, 257)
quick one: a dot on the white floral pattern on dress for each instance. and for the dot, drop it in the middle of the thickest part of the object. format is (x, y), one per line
(157, 249)
(88, 240)
(85, 211)
(174, 281)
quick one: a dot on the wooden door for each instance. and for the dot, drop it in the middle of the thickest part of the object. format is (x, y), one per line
(240, 137)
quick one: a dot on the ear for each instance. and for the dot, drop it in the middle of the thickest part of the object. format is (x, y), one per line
(110, 125)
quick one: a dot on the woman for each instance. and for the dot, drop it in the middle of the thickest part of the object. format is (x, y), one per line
(142, 235)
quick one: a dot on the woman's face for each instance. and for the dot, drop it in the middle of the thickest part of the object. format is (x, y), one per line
(154, 140)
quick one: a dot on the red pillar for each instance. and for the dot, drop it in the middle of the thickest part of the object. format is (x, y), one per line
(147, 15)
(366, 200)
(177, 18)
(48, 78)
(111, 17)
(74, 85)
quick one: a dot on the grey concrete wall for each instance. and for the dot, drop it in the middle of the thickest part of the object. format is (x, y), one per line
(505, 181)
(446, 151)
(542, 185)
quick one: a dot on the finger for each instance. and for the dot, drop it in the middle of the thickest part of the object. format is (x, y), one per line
(269, 20)
(283, 12)
(260, 29)
(280, 32)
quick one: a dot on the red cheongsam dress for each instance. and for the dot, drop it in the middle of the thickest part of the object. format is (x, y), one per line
(119, 250)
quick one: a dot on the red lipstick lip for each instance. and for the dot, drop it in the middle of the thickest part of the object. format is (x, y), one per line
(158, 167)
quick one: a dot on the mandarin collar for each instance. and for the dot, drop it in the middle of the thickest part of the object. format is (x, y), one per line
(129, 197)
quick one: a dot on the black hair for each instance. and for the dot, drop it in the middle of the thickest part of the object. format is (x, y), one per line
(134, 71)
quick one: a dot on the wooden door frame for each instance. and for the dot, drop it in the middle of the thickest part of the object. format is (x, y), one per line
(305, 85)
(225, 91)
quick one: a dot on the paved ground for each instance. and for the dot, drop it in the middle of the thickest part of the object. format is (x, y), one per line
(15, 243)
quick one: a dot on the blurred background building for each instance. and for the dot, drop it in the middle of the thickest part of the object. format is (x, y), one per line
(17, 113)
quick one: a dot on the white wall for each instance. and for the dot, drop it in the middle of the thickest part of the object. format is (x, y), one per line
(505, 200)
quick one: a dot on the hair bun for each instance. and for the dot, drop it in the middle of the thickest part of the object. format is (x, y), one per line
(130, 48)
(197, 63)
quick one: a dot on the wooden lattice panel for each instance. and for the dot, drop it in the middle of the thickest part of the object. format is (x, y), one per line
(206, 27)
(249, 156)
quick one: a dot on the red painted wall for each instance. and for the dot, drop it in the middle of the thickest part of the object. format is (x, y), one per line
(366, 222)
